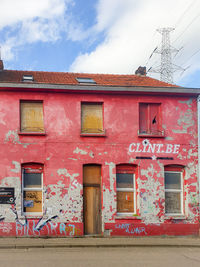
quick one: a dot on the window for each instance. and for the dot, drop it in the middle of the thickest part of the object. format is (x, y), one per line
(173, 191)
(85, 80)
(150, 119)
(32, 116)
(27, 78)
(126, 194)
(32, 189)
(92, 118)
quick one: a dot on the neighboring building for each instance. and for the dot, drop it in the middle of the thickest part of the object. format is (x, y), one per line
(97, 154)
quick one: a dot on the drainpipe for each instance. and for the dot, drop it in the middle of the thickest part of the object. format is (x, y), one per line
(198, 132)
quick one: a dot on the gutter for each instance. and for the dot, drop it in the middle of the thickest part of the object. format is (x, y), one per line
(99, 88)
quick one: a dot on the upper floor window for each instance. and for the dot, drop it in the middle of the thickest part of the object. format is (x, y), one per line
(31, 116)
(126, 192)
(92, 118)
(32, 185)
(174, 190)
(150, 119)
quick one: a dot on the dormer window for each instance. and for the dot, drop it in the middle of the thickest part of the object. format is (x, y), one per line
(27, 78)
(85, 80)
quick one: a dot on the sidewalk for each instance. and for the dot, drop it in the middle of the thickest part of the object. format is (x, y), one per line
(82, 242)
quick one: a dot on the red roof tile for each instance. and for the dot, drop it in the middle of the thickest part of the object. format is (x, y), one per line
(15, 76)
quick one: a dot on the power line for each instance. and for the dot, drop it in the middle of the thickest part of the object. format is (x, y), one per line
(192, 56)
(187, 27)
(183, 14)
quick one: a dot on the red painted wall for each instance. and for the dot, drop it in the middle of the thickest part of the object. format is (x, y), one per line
(64, 152)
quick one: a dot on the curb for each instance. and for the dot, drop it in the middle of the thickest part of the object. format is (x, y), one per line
(24, 246)
(26, 243)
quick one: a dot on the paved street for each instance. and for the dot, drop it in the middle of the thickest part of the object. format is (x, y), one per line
(81, 257)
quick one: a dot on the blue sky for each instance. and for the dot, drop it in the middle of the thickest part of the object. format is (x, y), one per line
(99, 36)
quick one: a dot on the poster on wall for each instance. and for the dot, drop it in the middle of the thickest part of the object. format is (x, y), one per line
(7, 195)
(28, 203)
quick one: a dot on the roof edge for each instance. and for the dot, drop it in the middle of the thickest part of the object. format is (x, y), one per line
(100, 88)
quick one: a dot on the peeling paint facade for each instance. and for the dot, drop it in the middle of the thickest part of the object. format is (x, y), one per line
(63, 151)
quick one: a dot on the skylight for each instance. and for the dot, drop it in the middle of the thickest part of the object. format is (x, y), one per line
(85, 80)
(27, 78)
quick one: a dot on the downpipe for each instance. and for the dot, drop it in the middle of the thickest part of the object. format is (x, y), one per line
(198, 134)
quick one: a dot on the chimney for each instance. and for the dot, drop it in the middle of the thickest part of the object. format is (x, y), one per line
(1, 65)
(141, 71)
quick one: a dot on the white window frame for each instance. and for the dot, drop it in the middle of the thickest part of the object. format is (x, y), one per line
(176, 191)
(39, 189)
(134, 197)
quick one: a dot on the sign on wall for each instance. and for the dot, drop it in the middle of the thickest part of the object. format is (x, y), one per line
(147, 147)
(7, 195)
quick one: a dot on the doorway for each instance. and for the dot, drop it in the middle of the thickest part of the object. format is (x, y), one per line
(92, 199)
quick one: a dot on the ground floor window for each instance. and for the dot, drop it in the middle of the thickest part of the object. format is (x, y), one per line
(173, 190)
(126, 193)
(32, 185)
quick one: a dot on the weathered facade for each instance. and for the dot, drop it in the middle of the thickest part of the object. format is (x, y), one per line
(113, 156)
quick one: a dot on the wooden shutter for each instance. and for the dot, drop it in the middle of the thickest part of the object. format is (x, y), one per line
(143, 118)
(154, 118)
(125, 201)
(32, 201)
(32, 116)
(91, 118)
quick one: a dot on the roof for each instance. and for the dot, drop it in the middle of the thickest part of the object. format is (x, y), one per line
(67, 78)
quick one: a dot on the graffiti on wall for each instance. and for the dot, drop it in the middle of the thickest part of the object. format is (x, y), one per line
(129, 228)
(32, 228)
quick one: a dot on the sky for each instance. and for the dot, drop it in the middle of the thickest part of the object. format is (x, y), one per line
(101, 36)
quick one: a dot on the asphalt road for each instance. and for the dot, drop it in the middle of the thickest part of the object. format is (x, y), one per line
(95, 257)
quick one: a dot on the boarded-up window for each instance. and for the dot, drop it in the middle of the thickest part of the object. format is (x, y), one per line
(91, 118)
(173, 192)
(125, 180)
(31, 116)
(149, 119)
(32, 189)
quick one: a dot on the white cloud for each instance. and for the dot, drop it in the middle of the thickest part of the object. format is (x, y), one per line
(13, 11)
(29, 21)
(130, 34)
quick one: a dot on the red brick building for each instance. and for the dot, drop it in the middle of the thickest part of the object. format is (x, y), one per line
(97, 154)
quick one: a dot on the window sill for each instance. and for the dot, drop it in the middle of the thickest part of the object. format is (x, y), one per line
(93, 134)
(151, 135)
(175, 217)
(128, 217)
(32, 133)
(31, 216)
(157, 134)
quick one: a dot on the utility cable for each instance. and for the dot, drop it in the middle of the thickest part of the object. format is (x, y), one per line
(183, 14)
(192, 56)
(187, 27)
